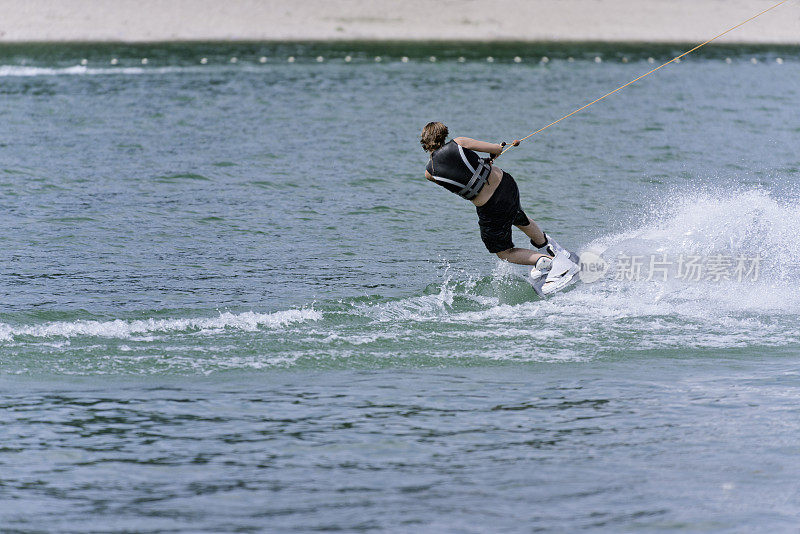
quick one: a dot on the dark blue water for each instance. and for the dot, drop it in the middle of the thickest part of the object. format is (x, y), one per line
(230, 302)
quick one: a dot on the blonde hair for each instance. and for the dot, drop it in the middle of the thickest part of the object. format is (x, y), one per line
(433, 136)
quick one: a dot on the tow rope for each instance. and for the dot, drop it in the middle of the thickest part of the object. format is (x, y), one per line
(644, 75)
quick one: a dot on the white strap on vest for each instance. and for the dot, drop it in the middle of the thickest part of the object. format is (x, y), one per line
(478, 180)
(480, 176)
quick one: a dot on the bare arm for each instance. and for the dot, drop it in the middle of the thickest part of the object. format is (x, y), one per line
(428, 176)
(479, 146)
(482, 146)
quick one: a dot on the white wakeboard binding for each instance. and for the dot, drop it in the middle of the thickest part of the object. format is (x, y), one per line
(552, 248)
(541, 268)
(562, 272)
(550, 275)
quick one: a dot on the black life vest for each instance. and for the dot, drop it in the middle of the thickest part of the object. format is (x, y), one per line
(459, 170)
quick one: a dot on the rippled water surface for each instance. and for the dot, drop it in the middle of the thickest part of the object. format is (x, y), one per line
(230, 302)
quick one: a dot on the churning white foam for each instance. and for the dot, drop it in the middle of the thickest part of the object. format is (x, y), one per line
(751, 226)
(119, 328)
(623, 314)
(751, 221)
(470, 318)
(670, 311)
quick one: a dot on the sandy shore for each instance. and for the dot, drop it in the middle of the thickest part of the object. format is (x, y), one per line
(480, 20)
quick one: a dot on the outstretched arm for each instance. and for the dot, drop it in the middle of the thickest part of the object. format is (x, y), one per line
(481, 146)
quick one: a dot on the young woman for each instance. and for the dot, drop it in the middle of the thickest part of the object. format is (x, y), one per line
(456, 166)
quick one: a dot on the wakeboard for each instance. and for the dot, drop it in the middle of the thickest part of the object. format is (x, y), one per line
(538, 282)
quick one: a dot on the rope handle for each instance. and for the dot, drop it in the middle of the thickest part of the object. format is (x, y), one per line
(503, 144)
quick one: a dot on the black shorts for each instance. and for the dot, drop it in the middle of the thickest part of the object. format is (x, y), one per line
(498, 215)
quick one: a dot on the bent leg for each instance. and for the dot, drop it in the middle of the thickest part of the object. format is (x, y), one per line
(532, 230)
(520, 256)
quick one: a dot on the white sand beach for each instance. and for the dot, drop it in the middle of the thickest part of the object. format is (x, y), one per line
(474, 20)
